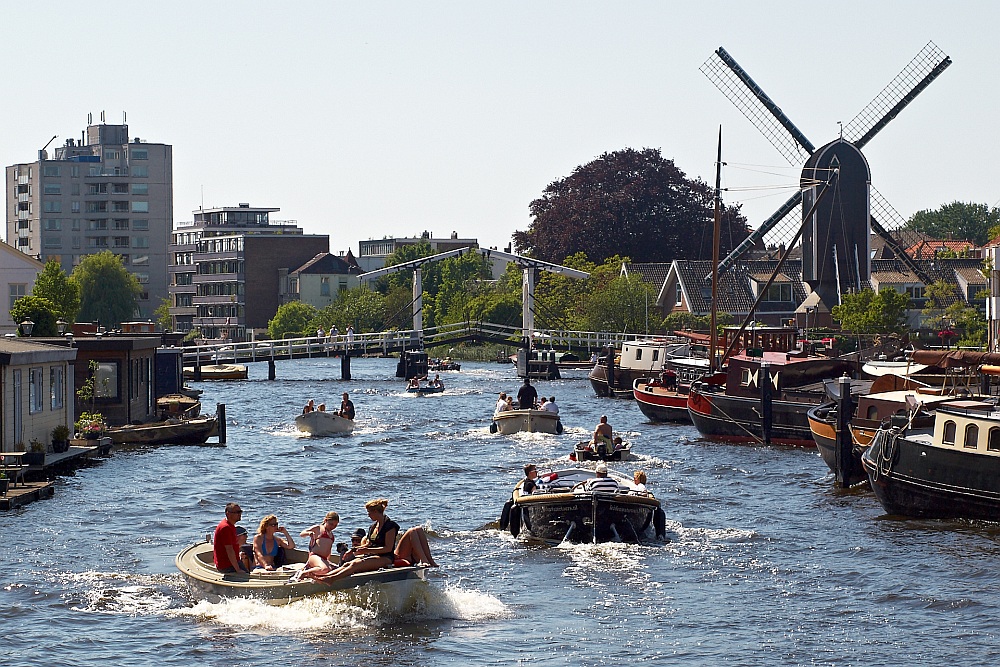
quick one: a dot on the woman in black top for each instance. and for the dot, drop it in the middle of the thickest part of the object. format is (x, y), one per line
(378, 550)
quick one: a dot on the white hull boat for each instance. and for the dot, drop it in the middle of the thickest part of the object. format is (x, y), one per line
(324, 423)
(529, 421)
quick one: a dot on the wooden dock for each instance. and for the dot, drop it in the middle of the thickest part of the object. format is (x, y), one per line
(37, 484)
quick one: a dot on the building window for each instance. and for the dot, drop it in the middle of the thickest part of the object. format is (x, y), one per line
(140, 260)
(678, 295)
(50, 170)
(119, 206)
(119, 188)
(35, 388)
(971, 436)
(872, 412)
(121, 223)
(140, 188)
(121, 242)
(140, 224)
(140, 207)
(140, 172)
(52, 189)
(97, 225)
(324, 286)
(106, 380)
(140, 154)
(53, 225)
(74, 206)
(51, 242)
(17, 290)
(140, 242)
(949, 433)
(97, 241)
(56, 389)
(52, 206)
(143, 278)
(343, 285)
(780, 292)
(76, 241)
(74, 171)
(110, 154)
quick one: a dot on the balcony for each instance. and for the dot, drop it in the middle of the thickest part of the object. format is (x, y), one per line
(219, 278)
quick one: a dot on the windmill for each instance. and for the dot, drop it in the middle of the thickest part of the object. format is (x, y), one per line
(836, 236)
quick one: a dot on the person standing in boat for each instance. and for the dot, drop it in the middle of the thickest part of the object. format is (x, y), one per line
(226, 544)
(346, 408)
(527, 396)
(603, 432)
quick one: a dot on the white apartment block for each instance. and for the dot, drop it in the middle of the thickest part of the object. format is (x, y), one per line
(104, 191)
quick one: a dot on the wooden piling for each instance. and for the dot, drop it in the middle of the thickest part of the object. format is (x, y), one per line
(844, 470)
(220, 413)
(345, 366)
(271, 372)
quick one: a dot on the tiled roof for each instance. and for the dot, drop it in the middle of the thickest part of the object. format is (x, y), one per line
(326, 263)
(735, 294)
(653, 273)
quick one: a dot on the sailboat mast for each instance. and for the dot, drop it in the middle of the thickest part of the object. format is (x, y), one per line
(716, 239)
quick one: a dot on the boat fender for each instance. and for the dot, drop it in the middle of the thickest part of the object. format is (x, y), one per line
(660, 523)
(505, 514)
(551, 477)
(515, 520)
(559, 428)
(493, 427)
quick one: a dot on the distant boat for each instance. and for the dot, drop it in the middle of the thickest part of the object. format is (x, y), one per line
(170, 432)
(423, 391)
(324, 423)
(529, 421)
(219, 372)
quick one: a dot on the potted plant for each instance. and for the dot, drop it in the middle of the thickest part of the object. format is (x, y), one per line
(90, 425)
(60, 438)
(35, 456)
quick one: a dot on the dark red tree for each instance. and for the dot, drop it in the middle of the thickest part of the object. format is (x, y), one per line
(631, 203)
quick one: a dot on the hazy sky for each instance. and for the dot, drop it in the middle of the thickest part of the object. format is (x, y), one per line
(369, 119)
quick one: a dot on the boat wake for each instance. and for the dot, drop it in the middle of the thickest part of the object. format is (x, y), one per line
(132, 595)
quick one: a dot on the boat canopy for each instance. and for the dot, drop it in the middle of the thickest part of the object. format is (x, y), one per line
(955, 358)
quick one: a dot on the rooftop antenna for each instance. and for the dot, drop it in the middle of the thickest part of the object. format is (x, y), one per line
(90, 119)
(102, 116)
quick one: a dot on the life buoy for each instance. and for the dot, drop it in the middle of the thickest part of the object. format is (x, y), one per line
(660, 523)
(493, 427)
(515, 520)
(559, 428)
(505, 515)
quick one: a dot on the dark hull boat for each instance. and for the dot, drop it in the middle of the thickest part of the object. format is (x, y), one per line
(948, 471)
(665, 399)
(560, 511)
(616, 372)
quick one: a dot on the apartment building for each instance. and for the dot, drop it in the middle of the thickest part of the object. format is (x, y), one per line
(226, 268)
(105, 191)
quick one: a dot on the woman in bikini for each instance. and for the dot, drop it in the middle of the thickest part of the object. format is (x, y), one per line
(321, 542)
(267, 545)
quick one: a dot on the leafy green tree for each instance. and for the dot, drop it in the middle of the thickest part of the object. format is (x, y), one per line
(61, 290)
(868, 312)
(958, 220)
(461, 278)
(162, 314)
(292, 318)
(39, 310)
(939, 296)
(630, 202)
(970, 323)
(108, 292)
(681, 321)
(623, 305)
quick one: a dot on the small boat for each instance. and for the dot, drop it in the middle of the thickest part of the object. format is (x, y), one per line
(648, 357)
(948, 470)
(169, 432)
(178, 405)
(324, 423)
(423, 391)
(529, 421)
(219, 372)
(663, 403)
(445, 364)
(586, 451)
(196, 564)
(559, 510)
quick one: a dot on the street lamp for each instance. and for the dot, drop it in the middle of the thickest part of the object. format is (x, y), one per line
(61, 325)
(27, 326)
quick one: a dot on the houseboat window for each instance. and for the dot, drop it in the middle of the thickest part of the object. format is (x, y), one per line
(106, 380)
(56, 388)
(994, 443)
(949, 433)
(745, 377)
(656, 355)
(638, 353)
(35, 403)
(971, 436)
(872, 412)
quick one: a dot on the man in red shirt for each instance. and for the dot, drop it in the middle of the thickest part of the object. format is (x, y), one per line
(227, 544)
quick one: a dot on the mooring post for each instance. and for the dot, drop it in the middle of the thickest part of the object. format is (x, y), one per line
(271, 372)
(765, 401)
(345, 366)
(844, 455)
(220, 413)
(197, 366)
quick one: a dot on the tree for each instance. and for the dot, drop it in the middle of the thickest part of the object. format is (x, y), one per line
(292, 318)
(108, 292)
(960, 221)
(870, 312)
(939, 296)
(162, 314)
(629, 202)
(623, 305)
(61, 290)
(39, 310)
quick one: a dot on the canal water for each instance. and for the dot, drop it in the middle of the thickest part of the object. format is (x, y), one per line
(767, 563)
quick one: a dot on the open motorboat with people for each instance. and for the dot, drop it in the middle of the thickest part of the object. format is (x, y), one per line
(196, 563)
(616, 450)
(446, 364)
(559, 509)
(616, 371)
(320, 422)
(529, 421)
(424, 390)
(172, 431)
(664, 399)
(947, 470)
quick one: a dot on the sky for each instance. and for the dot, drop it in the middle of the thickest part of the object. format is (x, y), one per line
(370, 119)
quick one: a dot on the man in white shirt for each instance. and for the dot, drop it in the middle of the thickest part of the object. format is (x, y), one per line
(551, 405)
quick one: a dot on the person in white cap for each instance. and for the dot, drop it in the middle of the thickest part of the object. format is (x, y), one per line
(601, 483)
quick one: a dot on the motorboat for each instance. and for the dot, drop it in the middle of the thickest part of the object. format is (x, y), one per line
(218, 372)
(171, 431)
(445, 364)
(560, 510)
(615, 451)
(529, 421)
(394, 585)
(616, 370)
(424, 390)
(950, 469)
(178, 405)
(320, 422)
(665, 400)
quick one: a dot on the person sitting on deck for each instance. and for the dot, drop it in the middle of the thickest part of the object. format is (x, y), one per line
(501, 403)
(601, 483)
(310, 407)
(541, 403)
(246, 551)
(321, 407)
(414, 383)
(639, 477)
(346, 407)
(321, 540)
(530, 475)
(271, 556)
(437, 382)
(551, 405)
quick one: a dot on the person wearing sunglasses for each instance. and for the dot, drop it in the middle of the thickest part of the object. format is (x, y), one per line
(268, 546)
(226, 543)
